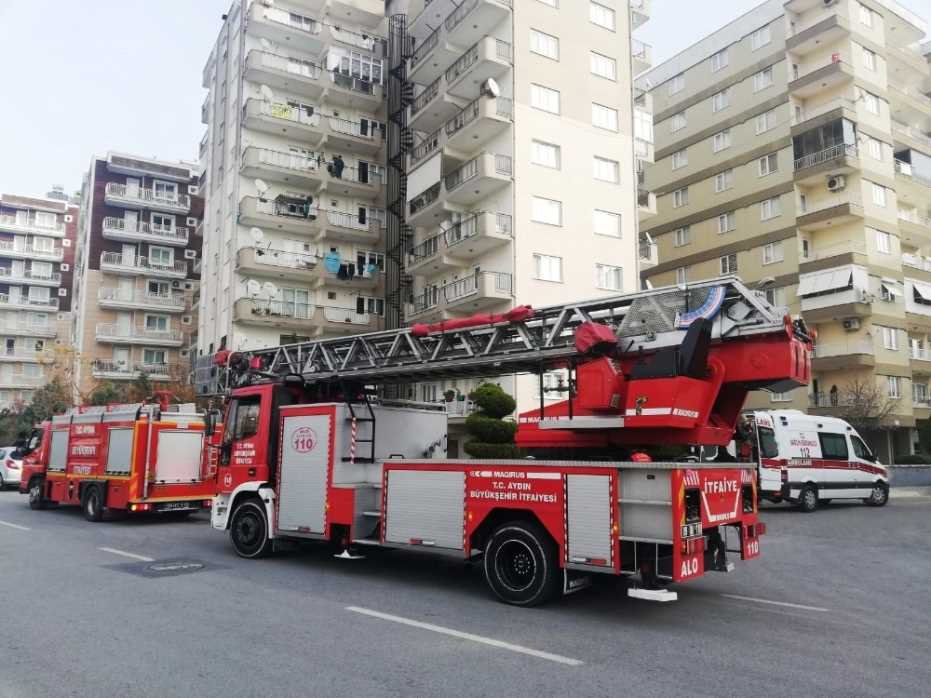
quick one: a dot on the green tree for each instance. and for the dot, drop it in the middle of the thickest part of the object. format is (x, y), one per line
(106, 393)
(52, 398)
(492, 436)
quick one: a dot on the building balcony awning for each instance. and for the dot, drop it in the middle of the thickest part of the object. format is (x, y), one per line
(825, 281)
(922, 290)
(892, 287)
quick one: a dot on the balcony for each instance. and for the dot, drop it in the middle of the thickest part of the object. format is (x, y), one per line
(22, 354)
(117, 229)
(478, 291)
(914, 188)
(641, 56)
(837, 159)
(283, 120)
(21, 380)
(13, 224)
(276, 264)
(11, 275)
(838, 108)
(367, 13)
(837, 355)
(824, 31)
(646, 204)
(285, 28)
(293, 169)
(909, 105)
(487, 58)
(114, 333)
(117, 194)
(284, 213)
(358, 182)
(835, 210)
(460, 242)
(432, 107)
(909, 137)
(291, 75)
(17, 249)
(822, 78)
(121, 370)
(303, 317)
(130, 265)
(202, 148)
(8, 302)
(352, 136)
(477, 179)
(639, 13)
(849, 251)
(120, 299)
(921, 356)
(205, 111)
(648, 252)
(353, 92)
(11, 325)
(914, 227)
(835, 294)
(350, 227)
(476, 124)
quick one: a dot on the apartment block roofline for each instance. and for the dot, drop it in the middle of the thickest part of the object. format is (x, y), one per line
(36, 203)
(181, 170)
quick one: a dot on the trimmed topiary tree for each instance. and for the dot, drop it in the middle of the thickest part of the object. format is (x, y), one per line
(492, 437)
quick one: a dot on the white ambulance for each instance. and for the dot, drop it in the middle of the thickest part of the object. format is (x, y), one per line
(810, 460)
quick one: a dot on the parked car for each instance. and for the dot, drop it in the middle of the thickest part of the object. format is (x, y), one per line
(11, 466)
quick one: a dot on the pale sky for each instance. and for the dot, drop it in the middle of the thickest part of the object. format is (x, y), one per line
(80, 77)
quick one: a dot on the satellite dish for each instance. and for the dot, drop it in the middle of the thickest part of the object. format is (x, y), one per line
(269, 290)
(257, 235)
(261, 187)
(267, 93)
(253, 287)
(491, 88)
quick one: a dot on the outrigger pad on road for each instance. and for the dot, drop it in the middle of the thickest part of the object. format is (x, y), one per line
(652, 594)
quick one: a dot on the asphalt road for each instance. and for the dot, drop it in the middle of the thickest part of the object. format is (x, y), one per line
(838, 605)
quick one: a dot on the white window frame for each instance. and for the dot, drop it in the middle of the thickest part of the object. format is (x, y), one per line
(165, 218)
(677, 122)
(606, 216)
(603, 66)
(171, 187)
(680, 197)
(890, 338)
(763, 79)
(543, 264)
(721, 140)
(682, 275)
(158, 317)
(160, 249)
(679, 159)
(542, 97)
(765, 121)
(544, 44)
(602, 16)
(610, 117)
(724, 180)
(720, 100)
(728, 263)
(719, 60)
(538, 148)
(776, 296)
(880, 195)
(554, 205)
(682, 236)
(865, 15)
(874, 147)
(767, 164)
(164, 355)
(871, 102)
(727, 222)
(605, 170)
(761, 37)
(604, 272)
(869, 59)
(770, 208)
(773, 253)
(883, 242)
(893, 386)
(676, 84)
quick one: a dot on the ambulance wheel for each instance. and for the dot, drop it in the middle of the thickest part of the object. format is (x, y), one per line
(808, 499)
(521, 565)
(249, 530)
(37, 498)
(879, 496)
(91, 504)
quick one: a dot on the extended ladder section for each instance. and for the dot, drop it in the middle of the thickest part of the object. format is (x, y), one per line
(532, 341)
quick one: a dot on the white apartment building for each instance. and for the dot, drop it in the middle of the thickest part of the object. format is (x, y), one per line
(293, 161)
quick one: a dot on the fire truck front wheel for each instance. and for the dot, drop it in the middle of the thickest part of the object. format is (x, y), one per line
(92, 504)
(37, 498)
(249, 530)
(521, 564)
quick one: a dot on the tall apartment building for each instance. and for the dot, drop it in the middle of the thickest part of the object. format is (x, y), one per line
(793, 149)
(294, 173)
(137, 270)
(520, 176)
(36, 261)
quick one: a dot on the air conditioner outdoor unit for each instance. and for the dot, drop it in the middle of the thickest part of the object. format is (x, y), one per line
(837, 183)
(852, 324)
(176, 284)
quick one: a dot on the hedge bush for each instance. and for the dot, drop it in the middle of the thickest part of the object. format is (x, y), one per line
(490, 430)
(477, 449)
(493, 401)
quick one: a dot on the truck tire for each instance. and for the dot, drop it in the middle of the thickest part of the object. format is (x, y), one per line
(92, 503)
(249, 530)
(37, 498)
(521, 565)
(808, 498)
(879, 496)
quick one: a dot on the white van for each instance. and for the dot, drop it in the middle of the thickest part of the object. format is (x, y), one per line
(810, 460)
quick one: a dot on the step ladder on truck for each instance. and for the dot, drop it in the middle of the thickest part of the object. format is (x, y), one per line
(145, 457)
(663, 366)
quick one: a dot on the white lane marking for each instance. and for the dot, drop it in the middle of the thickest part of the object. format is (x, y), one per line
(776, 603)
(16, 526)
(142, 558)
(558, 658)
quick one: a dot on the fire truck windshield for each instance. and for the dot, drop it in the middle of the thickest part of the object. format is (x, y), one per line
(32, 443)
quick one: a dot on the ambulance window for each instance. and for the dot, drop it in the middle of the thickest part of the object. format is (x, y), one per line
(833, 446)
(860, 449)
(768, 446)
(246, 421)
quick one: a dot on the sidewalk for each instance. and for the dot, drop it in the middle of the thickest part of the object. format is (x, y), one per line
(905, 492)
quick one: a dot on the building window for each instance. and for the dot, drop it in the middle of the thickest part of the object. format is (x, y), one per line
(770, 208)
(545, 154)
(152, 357)
(765, 121)
(682, 275)
(601, 15)
(546, 211)
(780, 397)
(678, 122)
(604, 117)
(720, 100)
(603, 66)
(760, 38)
(680, 158)
(677, 83)
(776, 296)
(544, 44)
(544, 98)
(606, 223)
(162, 223)
(158, 289)
(608, 278)
(772, 253)
(870, 101)
(891, 338)
(729, 264)
(721, 140)
(883, 242)
(763, 79)
(892, 386)
(727, 222)
(156, 323)
(161, 256)
(723, 180)
(875, 148)
(547, 268)
(683, 236)
(606, 170)
(680, 197)
(166, 191)
(869, 59)
(866, 16)
(719, 61)
(879, 194)
(768, 164)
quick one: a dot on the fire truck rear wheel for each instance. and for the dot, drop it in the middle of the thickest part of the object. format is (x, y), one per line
(249, 530)
(521, 564)
(91, 504)
(879, 496)
(37, 498)
(808, 499)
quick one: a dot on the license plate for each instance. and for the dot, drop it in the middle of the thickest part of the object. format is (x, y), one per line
(177, 506)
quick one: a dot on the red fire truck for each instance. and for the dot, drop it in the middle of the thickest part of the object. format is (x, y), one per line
(309, 453)
(130, 458)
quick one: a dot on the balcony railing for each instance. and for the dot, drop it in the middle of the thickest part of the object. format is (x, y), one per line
(160, 300)
(812, 112)
(469, 114)
(421, 201)
(503, 52)
(827, 251)
(911, 132)
(116, 259)
(113, 330)
(146, 196)
(352, 83)
(912, 93)
(856, 346)
(472, 168)
(286, 112)
(641, 51)
(285, 160)
(831, 202)
(15, 225)
(10, 274)
(101, 366)
(830, 399)
(913, 216)
(425, 97)
(53, 253)
(462, 288)
(281, 309)
(293, 21)
(460, 13)
(32, 303)
(346, 315)
(352, 174)
(831, 153)
(905, 168)
(459, 232)
(119, 225)
(286, 259)
(283, 64)
(428, 45)
(920, 354)
(353, 128)
(351, 220)
(352, 38)
(916, 262)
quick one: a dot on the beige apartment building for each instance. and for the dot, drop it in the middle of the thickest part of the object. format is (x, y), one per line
(793, 149)
(136, 271)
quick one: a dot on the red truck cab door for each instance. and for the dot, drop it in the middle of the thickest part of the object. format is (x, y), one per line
(243, 453)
